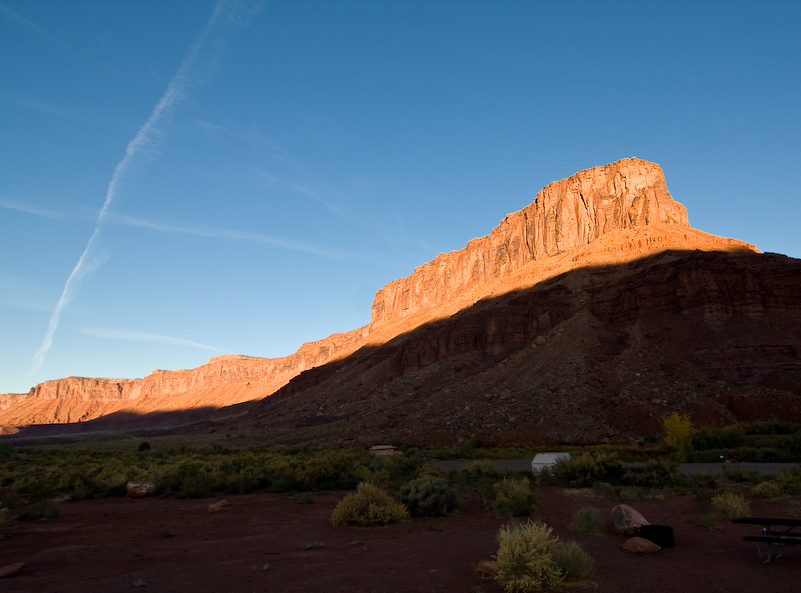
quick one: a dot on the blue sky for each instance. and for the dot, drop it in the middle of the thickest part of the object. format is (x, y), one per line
(287, 159)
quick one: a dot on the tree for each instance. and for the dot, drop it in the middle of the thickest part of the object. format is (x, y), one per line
(678, 435)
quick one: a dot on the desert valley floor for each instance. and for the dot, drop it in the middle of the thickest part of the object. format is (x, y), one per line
(274, 542)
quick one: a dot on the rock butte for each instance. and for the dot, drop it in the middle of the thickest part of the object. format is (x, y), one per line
(602, 216)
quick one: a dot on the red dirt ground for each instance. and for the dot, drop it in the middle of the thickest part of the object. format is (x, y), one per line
(262, 542)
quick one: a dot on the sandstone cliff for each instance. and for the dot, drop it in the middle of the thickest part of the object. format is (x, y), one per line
(602, 215)
(566, 214)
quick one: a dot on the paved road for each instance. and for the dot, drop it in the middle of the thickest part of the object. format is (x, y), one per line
(687, 469)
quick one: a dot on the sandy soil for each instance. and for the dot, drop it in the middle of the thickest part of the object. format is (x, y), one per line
(272, 542)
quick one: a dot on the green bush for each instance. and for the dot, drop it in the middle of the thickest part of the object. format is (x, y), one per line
(512, 498)
(575, 564)
(767, 490)
(586, 521)
(44, 509)
(545, 476)
(525, 558)
(369, 506)
(790, 481)
(585, 470)
(730, 505)
(428, 496)
(728, 437)
(658, 473)
(480, 473)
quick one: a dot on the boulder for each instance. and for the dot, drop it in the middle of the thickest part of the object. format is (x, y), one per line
(626, 519)
(640, 545)
(140, 489)
(9, 570)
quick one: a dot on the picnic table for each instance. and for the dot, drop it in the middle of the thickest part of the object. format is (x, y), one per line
(775, 532)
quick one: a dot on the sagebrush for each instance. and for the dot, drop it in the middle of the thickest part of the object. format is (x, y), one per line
(730, 505)
(575, 564)
(586, 521)
(369, 506)
(428, 496)
(512, 498)
(526, 558)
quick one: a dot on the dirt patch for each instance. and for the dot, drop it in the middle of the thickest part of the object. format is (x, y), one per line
(273, 542)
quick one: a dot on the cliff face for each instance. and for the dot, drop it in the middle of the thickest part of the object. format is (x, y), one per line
(566, 214)
(223, 381)
(604, 215)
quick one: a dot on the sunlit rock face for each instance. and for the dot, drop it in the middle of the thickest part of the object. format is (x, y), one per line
(566, 214)
(575, 262)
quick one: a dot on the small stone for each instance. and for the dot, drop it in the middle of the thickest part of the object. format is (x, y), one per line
(487, 567)
(217, 506)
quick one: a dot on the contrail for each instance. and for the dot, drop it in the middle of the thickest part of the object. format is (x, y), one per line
(183, 81)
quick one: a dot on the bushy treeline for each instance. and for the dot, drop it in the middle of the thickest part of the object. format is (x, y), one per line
(751, 441)
(204, 471)
(600, 469)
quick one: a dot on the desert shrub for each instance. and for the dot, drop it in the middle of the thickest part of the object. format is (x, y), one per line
(369, 506)
(658, 473)
(728, 437)
(767, 490)
(574, 562)
(545, 476)
(738, 474)
(630, 494)
(525, 558)
(586, 521)
(730, 505)
(143, 446)
(44, 509)
(428, 496)
(584, 470)
(790, 481)
(480, 473)
(512, 498)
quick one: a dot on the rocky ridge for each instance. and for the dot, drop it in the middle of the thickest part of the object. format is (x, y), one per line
(611, 214)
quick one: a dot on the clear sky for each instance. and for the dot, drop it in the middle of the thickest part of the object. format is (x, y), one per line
(184, 179)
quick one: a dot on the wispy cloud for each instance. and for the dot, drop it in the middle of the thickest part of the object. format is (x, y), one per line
(28, 25)
(198, 230)
(39, 106)
(189, 76)
(137, 336)
(41, 212)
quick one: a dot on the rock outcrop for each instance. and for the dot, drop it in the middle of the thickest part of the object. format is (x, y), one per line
(566, 214)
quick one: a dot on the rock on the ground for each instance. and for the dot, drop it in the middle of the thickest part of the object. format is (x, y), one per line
(640, 545)
(627, 519)
(487, 567)
(140, 489)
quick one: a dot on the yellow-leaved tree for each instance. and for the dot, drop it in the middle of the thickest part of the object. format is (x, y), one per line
(679, 435)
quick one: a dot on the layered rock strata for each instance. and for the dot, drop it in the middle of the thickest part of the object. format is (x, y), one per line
(566, 214)
(601, 215)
